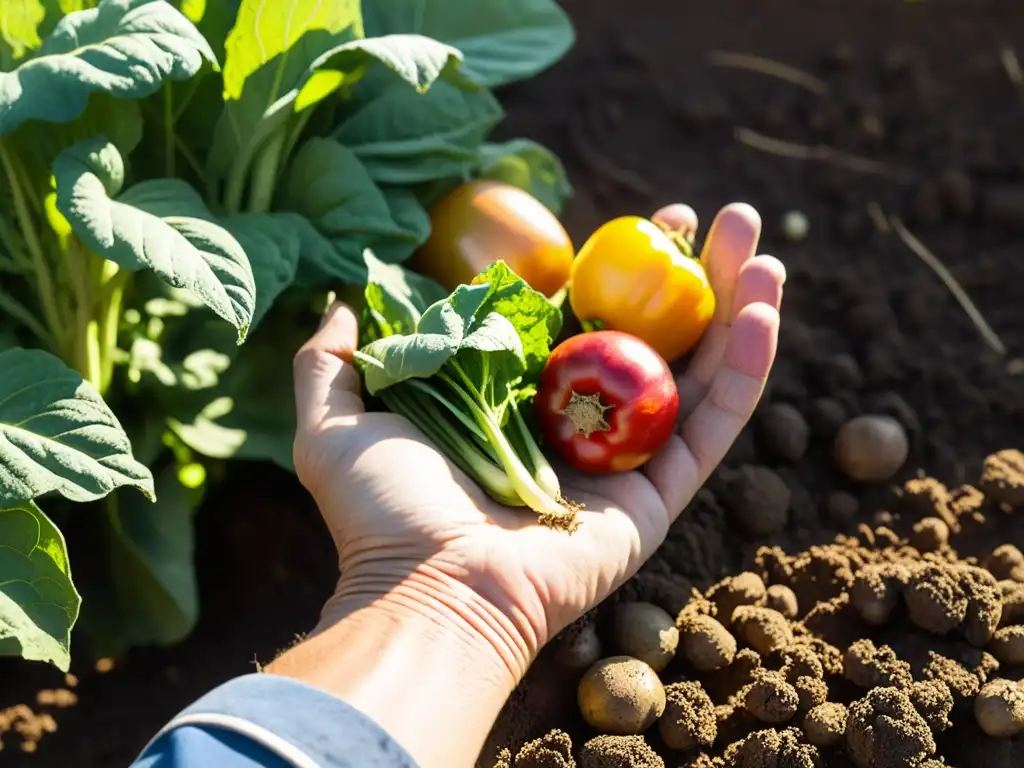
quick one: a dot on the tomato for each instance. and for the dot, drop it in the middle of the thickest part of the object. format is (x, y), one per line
(480, 222)
(631, 276)
(606, 401)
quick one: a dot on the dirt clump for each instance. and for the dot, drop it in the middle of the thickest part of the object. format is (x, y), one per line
(812, 692)
(885, 731)
(1006, 562)
(782, 431)
(1002, 477)
(825, 724)
(781, 598)
(619, 752)
(934, 702)
(763, 629)
(877, 589)
(689, 720)
(1008, 644)
(772, 748)
(646, 632)
(579, 645)
(757, 500)
(935, 599)
(930, 534)
(999, 708)
(871, 448)
(554, 750)
(28, 724)
(871, 667)
(771, 699)
(745, 588)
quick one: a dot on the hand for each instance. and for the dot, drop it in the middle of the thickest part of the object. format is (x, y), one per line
(417, 538)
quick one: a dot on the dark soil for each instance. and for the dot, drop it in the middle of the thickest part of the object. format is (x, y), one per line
(917, 95)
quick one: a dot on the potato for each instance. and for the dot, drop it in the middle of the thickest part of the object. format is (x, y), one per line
(646, 632)
(999, 708)
(621, 695)
(871, 449)
(579, 647)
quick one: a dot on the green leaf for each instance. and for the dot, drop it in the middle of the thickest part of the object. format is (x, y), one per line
(418, 356)
(411, 226)
(397, 297)
(502, 40)
(161, 224)
(57, 434)
(404, 137)
(528, 165)
(536, 319)
(126, 48)
(272, 243)
(19, 25)
(38, 601)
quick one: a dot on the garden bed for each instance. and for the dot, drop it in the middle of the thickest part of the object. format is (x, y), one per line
(922, 120)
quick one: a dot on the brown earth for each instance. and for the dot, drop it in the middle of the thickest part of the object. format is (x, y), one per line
(909, 110)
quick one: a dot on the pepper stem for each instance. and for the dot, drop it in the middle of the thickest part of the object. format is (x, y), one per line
(586, 412)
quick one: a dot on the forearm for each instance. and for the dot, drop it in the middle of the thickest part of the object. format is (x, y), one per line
(429, 661)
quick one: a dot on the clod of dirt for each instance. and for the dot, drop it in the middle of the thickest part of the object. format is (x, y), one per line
(801, 661)
(935, 599)
(646, 632)
(984, 604)
(1007, 644)
(934, 702)
(705, 643)
(825, 724)
(1013, 603)
(619, 752)
(745, 588)
(841, 507)
(999, 708)
(871, 667)
(1002, 477)
(689, 720)
(929, 534)
(885, 731)
(579, 646)
(827, 415)
(553, 750)
(763, 629)
(758, 500)
(812, 691)
(876, 590)
(1006, 562)
(871, 449)
(782, 431)
(621, 696)
(771, 699)
(781, 598)
(772, 749)
(962, 682)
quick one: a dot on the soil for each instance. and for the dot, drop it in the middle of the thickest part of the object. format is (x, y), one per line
(904, 109)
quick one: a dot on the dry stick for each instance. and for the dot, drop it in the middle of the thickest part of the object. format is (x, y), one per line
(929, 258)
(769, 67)
(821, 153)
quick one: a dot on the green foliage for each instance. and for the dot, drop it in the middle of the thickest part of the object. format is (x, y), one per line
(180, 185)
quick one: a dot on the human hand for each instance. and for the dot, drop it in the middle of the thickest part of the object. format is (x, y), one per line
(416, 537)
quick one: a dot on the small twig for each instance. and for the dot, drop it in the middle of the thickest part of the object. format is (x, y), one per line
(821, 153)
(878, 218)
(929, 258)
(769, 67)
(1008, 58)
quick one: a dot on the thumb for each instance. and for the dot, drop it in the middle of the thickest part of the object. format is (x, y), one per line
(326, 382)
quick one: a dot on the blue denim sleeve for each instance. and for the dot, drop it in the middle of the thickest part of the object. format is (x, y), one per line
(266, 721)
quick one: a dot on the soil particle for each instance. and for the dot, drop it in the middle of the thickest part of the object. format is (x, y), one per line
(876, 590)
(825, 725)
(1013, 603)
(1006, 562)
(841, 507)
(934, 702)
(962, 682)
(801, 661)
(935, 599)
(771, 699)
(782, 431)
(772, 749)
(762, 629)
(551, 751)
(745, 588)
(816, 575)
(1002, 477)
(29, 725)
(984, 604)
(705, 643)
(871, 667)
(929, 534)
(826, 416)
(781, 598)
(999, 708)
(871, 448)
(1007, 644)
(619, 752)
(758, 500)
(885, 731)
(812, 692)
(689, 720)
(930, 497)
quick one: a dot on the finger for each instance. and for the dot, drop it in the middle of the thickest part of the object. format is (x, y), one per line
(734, 391)
(760, 281)
(731, 243)
(326, 383)
(677, 217)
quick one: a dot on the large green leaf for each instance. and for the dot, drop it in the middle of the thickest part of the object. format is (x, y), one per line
(57, 434)
(162, 225)
(396, 297)
(126, 48)
(272, 242)
(502, 40)
(404, 137)
(528, 165)
(38, 601)
(19, 26)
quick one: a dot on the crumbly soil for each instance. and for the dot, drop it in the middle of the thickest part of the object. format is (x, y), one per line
(909, 111)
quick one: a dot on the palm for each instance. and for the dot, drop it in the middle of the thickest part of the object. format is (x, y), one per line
(395, 504)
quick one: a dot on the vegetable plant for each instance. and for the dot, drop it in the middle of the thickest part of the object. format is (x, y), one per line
(181, 184)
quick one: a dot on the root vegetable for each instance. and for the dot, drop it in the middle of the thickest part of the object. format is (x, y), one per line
(762, 629)
(781, 598)
(706, 644)
(620, 695)
(646, 632)
(1007, 644)
(871, 449)
(999, 708)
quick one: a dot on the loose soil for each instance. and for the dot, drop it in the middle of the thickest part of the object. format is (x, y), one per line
(904, 109)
